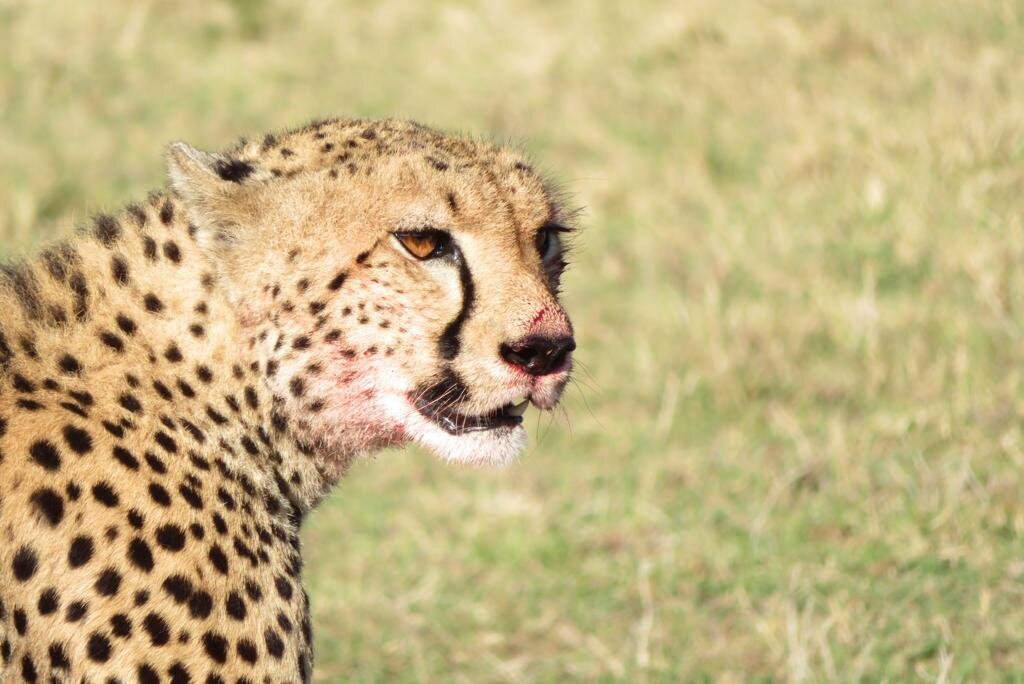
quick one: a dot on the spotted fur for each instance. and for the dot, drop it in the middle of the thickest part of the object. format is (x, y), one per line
(184, 380)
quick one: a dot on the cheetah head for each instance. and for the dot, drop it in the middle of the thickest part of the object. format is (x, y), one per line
(396, 284)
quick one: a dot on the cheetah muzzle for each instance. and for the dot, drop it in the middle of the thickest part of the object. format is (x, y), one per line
(184, 380)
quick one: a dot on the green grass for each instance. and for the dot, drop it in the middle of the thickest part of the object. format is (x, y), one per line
(795, 450)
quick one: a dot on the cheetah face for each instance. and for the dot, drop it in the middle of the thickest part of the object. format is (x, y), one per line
(405, 293)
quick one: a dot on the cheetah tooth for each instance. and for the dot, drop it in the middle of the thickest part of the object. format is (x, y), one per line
(519, 409)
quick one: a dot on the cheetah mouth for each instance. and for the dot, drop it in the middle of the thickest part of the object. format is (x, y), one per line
(455, 423)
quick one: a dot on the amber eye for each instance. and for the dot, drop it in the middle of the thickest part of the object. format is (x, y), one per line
(426, 244)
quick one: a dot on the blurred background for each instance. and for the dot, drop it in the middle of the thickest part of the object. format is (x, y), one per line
(793, 450)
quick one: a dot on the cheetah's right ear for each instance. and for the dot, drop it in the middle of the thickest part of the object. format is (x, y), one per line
(213, 187)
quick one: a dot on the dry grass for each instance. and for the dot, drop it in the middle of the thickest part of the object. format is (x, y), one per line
(795, 451)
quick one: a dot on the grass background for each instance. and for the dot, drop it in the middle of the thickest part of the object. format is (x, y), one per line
(795, 450)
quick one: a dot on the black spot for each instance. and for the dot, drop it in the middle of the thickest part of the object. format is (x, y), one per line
(119, 269)
(178, 587)
(24, 564)
(140, 555)
(159, 495)
(200, 605)
(50, 504)
(275, 647)
(26, 287)
(234, 170)
(170, 537)
(235, 606)
(186, 389)
(191, 496)
(167, 213)
(250, 447)
(453, 203)
(114, 429)
(69, 364)
(59, 658)
(108, 583)
(120, 625)
(204, 374)
(149, 248)
(153, 303)
(76, 611)
(113, 341)
(135, 518)
(105, 494)
(23, 384)
(284, 587)
(167, 442)
(297, 386)
(74, 408)
(77, 439)
(173, 354)
(126, 458)
(179, 673)
(154, 462)
(81, 292)
(106, 229)
(147, 675)
(137, 213)
(28, 669)
(253, 591)
(216, 647)
(218, 559)
(284, 623)
(193, 430)
(80, 551)
(162, 390)
(126, 325)
(156, 627)
(250, 397)
(247, 650)
(172, 252)
(301, 342)
(49, 602)
(20, 621)
(216, 417)
(98, 647)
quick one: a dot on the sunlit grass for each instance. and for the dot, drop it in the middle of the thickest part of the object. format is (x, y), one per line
(795, 451)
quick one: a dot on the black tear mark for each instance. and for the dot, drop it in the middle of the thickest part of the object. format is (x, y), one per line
(234, 170)
(451, 338)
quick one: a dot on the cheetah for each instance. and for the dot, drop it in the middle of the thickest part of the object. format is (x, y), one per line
(185, 379)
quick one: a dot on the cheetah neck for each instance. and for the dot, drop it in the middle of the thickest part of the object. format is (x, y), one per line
(129, 322)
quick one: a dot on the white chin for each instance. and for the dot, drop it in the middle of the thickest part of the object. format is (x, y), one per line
(491, 448)
(486, 448)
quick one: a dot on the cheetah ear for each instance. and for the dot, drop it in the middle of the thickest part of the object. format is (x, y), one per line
(214, 188)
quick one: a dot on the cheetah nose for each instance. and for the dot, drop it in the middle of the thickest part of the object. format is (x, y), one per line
(539, 355)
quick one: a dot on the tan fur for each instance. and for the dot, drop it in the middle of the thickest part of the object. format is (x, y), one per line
(183, 382)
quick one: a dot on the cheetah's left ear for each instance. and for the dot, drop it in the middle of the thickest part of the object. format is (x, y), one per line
(213, 187)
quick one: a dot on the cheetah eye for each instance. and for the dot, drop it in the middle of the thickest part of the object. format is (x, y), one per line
(549, 242)
(426, 244)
